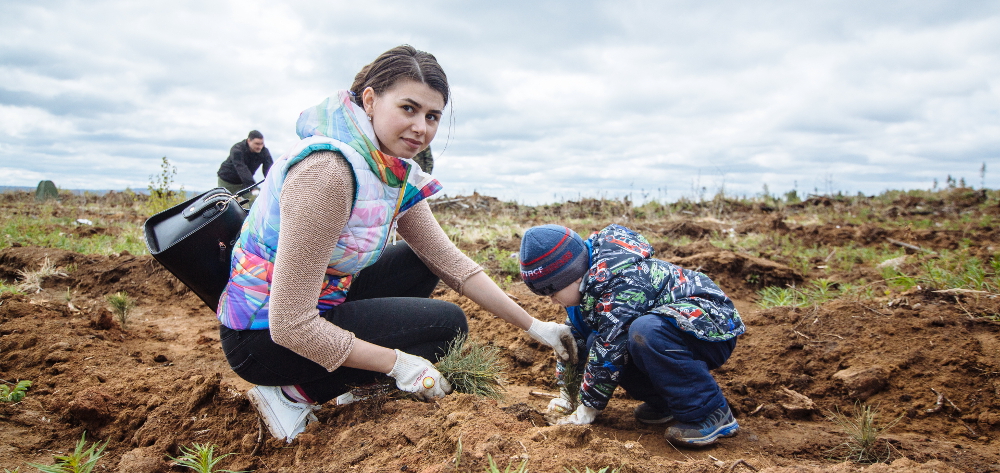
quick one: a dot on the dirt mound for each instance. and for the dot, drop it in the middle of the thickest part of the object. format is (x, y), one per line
(738, 274)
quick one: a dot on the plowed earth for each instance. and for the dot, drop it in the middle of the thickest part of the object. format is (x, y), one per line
(163, 382)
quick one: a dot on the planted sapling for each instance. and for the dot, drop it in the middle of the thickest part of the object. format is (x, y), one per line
(121, 306)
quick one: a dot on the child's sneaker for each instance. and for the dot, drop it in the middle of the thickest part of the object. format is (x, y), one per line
(720, 423)
(647, 414)
(284, 418)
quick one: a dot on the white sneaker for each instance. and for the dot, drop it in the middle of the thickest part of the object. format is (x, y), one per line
(285, 419)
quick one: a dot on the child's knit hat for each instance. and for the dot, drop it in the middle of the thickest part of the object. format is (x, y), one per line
(552, 257)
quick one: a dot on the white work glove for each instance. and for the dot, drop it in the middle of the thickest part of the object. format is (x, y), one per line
(557, 336)
(559, 406)
(418, 376)
(583, 415)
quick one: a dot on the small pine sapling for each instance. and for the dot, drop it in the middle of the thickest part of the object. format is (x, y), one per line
(200, 458)
(121, 306)
(15, 394)
(473, 368)
(80, 461)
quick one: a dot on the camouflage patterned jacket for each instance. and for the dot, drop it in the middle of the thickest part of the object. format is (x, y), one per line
(625, 282)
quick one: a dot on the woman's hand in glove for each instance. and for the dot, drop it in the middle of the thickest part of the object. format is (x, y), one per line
(418, 376)
(583, 415)
(557, 336)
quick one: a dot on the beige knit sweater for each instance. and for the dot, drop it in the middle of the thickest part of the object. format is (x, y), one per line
(315, 204)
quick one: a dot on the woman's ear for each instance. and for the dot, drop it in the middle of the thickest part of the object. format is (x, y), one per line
(368, 99)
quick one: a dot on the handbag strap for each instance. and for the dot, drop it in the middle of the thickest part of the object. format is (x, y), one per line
(248, 189)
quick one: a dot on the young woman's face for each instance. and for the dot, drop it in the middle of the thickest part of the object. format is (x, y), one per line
(405, 117)
(568, 296)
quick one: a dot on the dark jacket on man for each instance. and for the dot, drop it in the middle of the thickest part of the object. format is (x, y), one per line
(242, 164)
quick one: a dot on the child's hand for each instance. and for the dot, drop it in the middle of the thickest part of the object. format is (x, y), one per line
(559, 406)
(583, 415)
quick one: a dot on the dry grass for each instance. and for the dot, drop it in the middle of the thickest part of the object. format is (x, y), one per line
(31, 281)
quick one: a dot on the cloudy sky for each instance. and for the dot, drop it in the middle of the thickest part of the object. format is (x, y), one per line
(551, 100)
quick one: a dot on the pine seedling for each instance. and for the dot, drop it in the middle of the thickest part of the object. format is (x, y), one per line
(473, 368)
(15, 394)
(121, 306)
(571, 377)
(200, 458)
(80, 461)
(864, 434)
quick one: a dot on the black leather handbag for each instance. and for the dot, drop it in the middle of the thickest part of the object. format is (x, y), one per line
(194, 240)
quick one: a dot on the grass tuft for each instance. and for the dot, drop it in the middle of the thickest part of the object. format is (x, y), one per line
(864, 443)
(31, 281)
(200, 458)
(473, 368)
(80, 461)
(773, 296)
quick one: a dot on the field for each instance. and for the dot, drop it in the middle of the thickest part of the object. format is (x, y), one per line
(877, 310)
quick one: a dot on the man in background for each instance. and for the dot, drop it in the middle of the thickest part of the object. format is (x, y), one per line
(236, 172)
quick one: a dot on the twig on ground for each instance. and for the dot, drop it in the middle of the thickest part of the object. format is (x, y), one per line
(953, 406)
(833, 335)
(937, 405)
(869, 308)
(260, 437)
(541, 394)
(958, 290)
(827, 259)
(756, 410)
(972, 432)
(741, 462)
(912, 247)
(967, 313)
(807, 337)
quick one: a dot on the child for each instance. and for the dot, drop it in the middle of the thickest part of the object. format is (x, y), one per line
(650, 326)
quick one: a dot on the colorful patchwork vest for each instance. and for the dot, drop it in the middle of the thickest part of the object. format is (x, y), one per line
(385, 187)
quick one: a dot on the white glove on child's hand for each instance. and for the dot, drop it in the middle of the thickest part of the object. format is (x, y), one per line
(559, 406)
(418, 376)
(557, 336)
(583, 415)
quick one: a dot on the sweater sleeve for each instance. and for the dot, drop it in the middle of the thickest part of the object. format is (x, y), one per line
(424, 235)
(315, 204)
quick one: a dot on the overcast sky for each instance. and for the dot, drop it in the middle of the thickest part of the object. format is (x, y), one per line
(551, 100)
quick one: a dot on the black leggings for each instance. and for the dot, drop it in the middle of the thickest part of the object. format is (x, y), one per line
(387, 305)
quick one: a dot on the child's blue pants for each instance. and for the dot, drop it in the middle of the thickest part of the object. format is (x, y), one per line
(669, 368)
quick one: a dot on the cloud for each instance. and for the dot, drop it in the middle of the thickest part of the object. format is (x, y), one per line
(549, 101)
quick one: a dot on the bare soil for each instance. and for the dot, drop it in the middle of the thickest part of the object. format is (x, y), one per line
(163, 383)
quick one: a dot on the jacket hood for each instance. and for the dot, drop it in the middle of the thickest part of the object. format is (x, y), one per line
(614, 249)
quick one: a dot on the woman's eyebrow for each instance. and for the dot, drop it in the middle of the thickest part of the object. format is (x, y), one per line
(417, 104)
